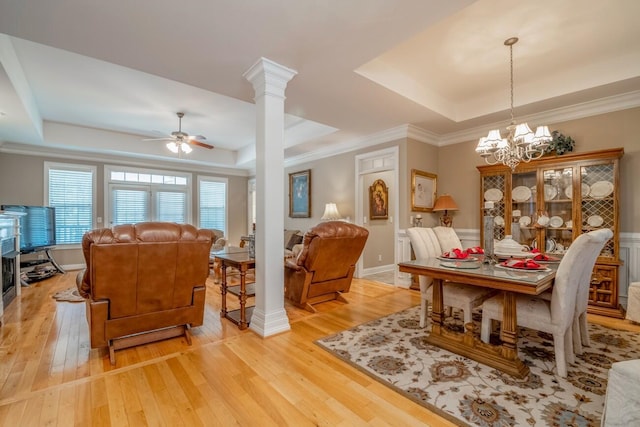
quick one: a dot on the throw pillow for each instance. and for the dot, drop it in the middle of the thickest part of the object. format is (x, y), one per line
(294, 240)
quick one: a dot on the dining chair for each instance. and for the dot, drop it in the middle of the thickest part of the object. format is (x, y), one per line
(425, 244)
(580, 330)
(554, 316)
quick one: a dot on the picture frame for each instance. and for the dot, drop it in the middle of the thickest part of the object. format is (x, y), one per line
(378, 200)
(423, 190)
(300, 194)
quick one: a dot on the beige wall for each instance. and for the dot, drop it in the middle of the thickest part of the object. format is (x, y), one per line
(458, 176)
(21, 179)
(423, 157)
(22, 182)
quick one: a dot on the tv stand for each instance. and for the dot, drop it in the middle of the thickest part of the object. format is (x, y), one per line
(33, 274)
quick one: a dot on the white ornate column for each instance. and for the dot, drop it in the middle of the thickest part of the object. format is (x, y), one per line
(269, 81)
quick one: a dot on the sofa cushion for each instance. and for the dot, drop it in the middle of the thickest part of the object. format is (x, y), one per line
(295, 239)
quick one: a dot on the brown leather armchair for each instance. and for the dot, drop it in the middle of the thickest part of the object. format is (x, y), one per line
(324, 269)
(144, 282)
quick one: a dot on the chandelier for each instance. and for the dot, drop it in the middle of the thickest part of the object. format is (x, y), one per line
(521, 144)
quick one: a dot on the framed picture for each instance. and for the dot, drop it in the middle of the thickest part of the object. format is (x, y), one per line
(300, 194)
(378, 200)
(423, 190)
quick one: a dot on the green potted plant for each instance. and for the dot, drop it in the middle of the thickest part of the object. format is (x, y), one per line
(560, 144)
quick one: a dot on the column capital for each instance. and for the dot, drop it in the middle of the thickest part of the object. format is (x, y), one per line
(268, 76)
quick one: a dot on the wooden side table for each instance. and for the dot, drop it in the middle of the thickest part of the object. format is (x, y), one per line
(242, 262)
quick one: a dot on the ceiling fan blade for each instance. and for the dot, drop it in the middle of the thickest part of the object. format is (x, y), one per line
(200, 144)
(165, 138)
(199, 137)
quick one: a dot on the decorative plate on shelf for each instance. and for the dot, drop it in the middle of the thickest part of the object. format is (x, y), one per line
(551, 245)
(524, 221)
(499, 221)
(584, 189)
(493, 195)
(601, 189)
(550, 192)
(521, 194)
(556, 222)
(595, 220)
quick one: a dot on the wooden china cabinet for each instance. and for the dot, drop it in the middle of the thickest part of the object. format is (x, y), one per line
(547, 203)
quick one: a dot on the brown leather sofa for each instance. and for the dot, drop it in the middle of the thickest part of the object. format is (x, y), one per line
(324, 269)
(144, 282)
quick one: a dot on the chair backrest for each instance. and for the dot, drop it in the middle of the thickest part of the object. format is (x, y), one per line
(448, 238)
(145, 267)
(576, 264)
(425, 244)
(582, 300)
(331, 249)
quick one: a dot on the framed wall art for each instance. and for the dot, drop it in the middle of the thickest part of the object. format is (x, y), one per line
(378, 200)
(423, 190)
(300, 194)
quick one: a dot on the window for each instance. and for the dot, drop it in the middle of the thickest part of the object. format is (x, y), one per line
(70, 189)
(212, 198)
(138, 195)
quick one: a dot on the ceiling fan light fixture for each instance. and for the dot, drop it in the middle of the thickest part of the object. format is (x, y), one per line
(185, 148)
(173, 147)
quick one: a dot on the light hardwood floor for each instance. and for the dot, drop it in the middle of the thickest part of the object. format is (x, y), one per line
(50, 376)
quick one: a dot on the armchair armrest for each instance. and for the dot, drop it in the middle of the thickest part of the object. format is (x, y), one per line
(290, 263)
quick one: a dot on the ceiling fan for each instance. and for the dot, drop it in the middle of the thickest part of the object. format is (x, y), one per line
(179, 141)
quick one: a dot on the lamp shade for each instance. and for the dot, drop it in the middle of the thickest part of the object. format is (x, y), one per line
(445, 203)
(330, 212)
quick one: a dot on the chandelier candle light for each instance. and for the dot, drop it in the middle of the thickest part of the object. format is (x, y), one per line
(521, 144)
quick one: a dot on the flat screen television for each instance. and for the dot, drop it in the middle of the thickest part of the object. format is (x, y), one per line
(37, 226)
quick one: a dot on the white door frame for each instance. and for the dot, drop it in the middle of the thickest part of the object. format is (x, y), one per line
(378, 161)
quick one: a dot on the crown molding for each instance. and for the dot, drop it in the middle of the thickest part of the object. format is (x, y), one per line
(557, 115)
(148, 162)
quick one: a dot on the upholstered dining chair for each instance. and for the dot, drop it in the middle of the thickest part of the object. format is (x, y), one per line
(554, 316)
(425, 244)
(580, 331)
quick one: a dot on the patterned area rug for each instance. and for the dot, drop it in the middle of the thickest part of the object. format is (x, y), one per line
(68, 295)
(393, 351)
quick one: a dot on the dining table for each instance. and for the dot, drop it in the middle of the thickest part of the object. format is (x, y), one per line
(509, 281)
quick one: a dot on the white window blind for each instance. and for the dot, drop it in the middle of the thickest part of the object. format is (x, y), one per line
(171, 206)
(130, 205)
(213, 204)
(70, 191)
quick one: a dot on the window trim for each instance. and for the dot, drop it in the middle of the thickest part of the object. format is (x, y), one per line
(188, 187)
(79, 168)
(209, 178)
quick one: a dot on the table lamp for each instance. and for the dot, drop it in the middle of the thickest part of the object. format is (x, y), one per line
(330, 212)
(445, 203)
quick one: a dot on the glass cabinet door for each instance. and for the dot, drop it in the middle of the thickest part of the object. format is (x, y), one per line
(597, 208)
(493, 190)
(523, 207)
(556, 217)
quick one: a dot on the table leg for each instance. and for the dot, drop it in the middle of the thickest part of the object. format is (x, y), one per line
(509, 327)
(437, 309)
(243, 297)
(223, 290)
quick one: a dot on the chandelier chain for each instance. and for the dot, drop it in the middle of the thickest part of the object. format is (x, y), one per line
(511, 67)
